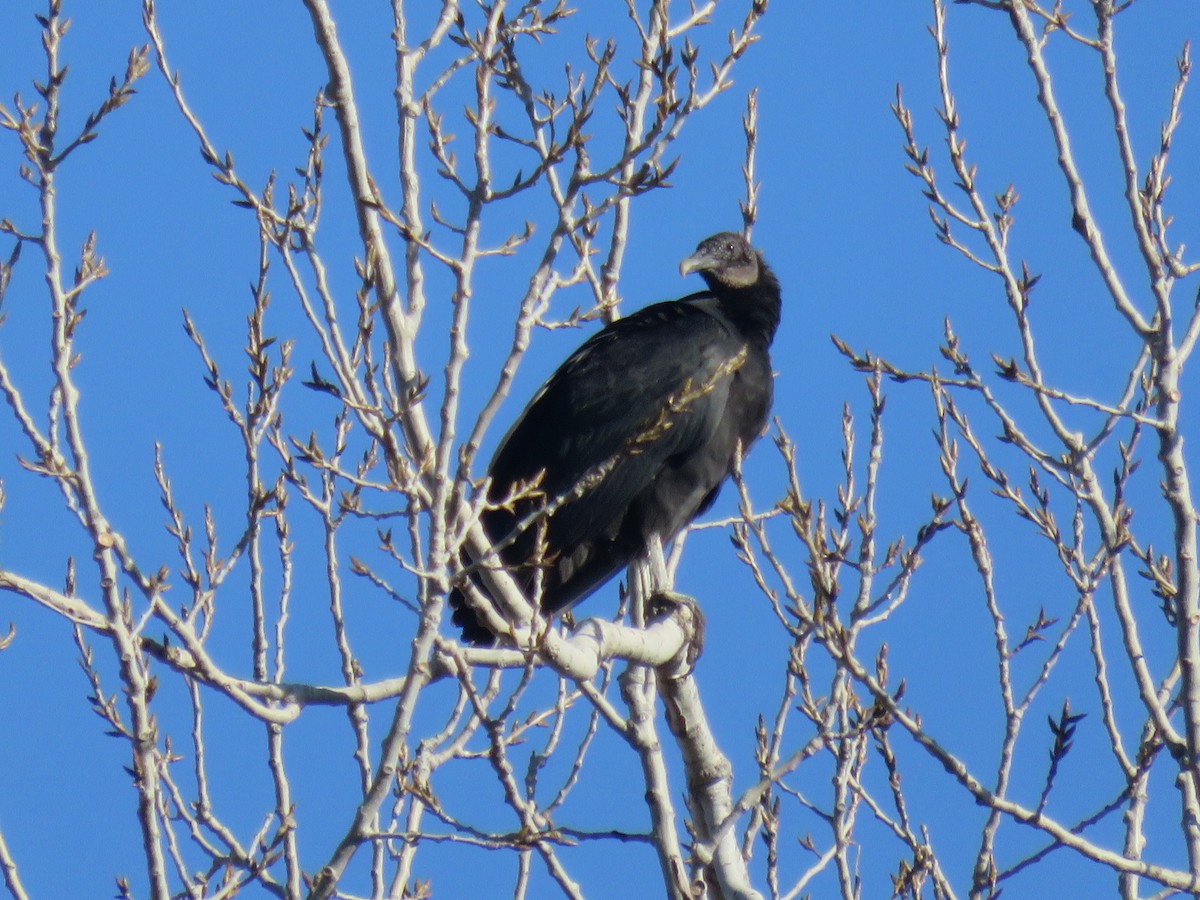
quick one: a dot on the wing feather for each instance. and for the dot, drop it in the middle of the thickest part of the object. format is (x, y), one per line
(650, 388)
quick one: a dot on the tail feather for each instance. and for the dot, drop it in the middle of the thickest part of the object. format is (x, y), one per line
(562, 587)
(474, 631)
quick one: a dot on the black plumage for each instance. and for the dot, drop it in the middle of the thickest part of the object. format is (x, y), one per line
(656, 404)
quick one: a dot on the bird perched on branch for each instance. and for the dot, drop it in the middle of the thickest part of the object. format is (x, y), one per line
(633, 435)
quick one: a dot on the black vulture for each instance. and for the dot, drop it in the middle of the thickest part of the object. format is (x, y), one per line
(633, 435)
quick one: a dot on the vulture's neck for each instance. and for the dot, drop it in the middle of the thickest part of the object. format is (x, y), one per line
(754, 310)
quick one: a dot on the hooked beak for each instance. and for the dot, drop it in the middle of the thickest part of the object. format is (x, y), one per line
(697, 262)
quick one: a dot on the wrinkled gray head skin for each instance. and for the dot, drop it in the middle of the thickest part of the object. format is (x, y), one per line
(724, 260)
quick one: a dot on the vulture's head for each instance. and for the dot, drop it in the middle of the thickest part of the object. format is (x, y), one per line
(725, 260)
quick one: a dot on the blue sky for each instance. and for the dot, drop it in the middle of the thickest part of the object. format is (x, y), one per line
(841, 222)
